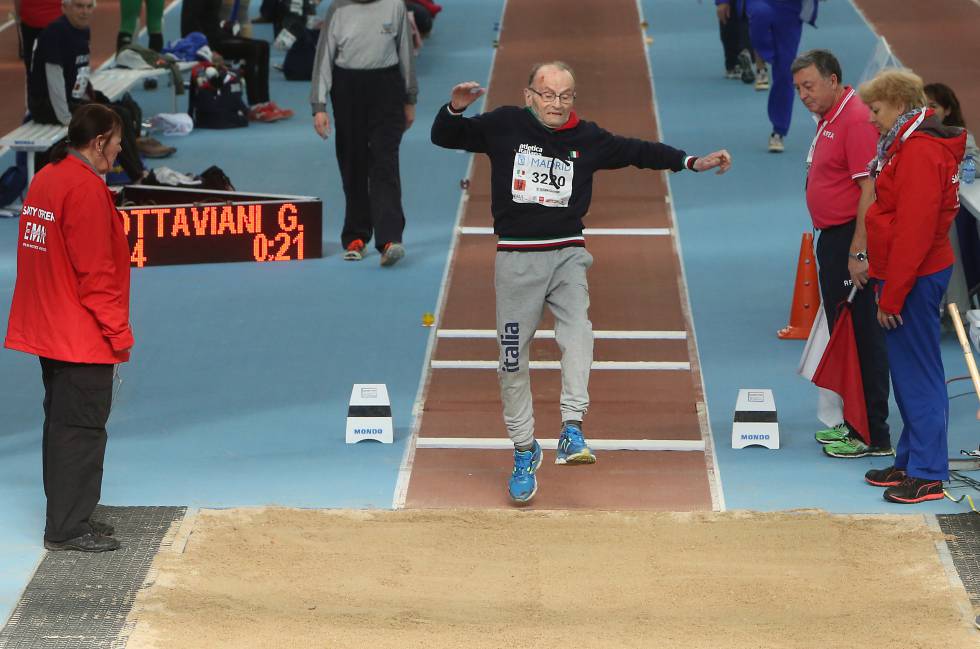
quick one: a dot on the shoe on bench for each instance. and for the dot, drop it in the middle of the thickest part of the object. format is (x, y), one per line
(88, 542)
(151, 147)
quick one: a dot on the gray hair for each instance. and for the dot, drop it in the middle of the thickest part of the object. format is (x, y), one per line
(561, 65)
(823, 60)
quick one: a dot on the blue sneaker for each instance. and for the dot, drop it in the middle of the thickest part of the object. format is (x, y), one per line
(572, 448)
(523, 484)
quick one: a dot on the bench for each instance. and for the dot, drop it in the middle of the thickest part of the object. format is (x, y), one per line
(32, 137)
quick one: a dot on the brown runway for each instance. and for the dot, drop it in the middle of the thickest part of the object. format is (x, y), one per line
(939, 40)
(635, 295)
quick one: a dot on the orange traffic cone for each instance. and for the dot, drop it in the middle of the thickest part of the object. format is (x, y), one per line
(806, 294)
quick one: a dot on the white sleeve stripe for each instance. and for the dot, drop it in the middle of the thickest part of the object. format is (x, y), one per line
(860, 175)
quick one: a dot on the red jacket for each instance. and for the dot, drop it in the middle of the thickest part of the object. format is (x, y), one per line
(71, 298)
(916, 199)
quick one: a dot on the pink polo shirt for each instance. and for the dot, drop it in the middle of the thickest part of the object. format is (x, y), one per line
(844, 144)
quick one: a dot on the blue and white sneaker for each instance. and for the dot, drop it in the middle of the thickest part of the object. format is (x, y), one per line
(572, 448)
(523, 483)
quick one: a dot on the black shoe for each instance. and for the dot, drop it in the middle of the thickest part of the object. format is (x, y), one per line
(89, 542)
(889, 477)
(122, 40)
(156, 42)
(100, 528)
(913, 490)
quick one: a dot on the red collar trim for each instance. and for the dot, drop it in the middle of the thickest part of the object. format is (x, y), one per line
(571, 123)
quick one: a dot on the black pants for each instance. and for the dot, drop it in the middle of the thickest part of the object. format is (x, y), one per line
(835, 285)
(254, 54)
(77, 398)
(369, 120)
(28, 35)
(734, 37)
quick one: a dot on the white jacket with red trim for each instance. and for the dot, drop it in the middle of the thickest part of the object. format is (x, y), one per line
(71, 298)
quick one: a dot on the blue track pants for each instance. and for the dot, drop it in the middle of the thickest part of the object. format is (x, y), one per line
(775, 28)
(920, 382)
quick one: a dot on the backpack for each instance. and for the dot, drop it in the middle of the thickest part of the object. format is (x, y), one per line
(215, 178)
(216, 98)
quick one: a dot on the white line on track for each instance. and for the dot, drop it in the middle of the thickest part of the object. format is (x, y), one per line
(400, 494)
(549, 334)
(640, 232)
(556, 365)
(505, 444)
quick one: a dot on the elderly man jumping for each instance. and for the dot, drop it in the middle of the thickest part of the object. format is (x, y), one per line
(542, 159)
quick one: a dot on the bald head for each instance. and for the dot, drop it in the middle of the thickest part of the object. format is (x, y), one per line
(549, 67)
(550, 92)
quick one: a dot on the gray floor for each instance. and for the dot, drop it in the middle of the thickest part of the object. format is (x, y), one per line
(963, 539)
(78, 600)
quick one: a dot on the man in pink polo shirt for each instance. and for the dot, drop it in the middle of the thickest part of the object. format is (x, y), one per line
(838, 193)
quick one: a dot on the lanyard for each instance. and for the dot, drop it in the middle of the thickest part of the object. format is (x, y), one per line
(906, 135)
(821, 125)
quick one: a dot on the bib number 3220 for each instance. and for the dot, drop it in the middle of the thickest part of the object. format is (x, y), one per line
(543, 180)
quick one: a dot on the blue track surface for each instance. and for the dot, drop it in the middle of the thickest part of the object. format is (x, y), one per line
(740, 237)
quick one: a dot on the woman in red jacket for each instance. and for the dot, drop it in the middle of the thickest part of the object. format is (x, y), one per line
(916, 174)
(71, 309)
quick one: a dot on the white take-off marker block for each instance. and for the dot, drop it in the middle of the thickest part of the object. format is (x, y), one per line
(755, 422)
(369, 414)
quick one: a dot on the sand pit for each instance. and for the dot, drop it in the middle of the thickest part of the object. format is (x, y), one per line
(475, 579)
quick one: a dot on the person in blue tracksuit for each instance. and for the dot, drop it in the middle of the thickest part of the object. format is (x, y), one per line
(775, 27)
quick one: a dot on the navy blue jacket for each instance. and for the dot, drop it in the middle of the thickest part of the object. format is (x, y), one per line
(508, 132)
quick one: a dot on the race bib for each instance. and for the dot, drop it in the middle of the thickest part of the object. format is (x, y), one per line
(543, 180)
(81, 83)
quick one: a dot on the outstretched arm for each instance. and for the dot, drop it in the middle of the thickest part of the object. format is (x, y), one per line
(720, 160)
(453, 131)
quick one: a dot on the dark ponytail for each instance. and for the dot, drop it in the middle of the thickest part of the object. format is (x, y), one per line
(945, 97)
(87, 123)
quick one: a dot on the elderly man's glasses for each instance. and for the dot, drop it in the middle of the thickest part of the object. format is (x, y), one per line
(549, 96)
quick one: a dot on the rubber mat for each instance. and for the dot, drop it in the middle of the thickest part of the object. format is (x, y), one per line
(963, 539)
(78, 600)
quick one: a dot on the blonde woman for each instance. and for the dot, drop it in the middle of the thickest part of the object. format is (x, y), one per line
(916, 174)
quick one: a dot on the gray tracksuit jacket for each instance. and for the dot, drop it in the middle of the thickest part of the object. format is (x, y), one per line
(363, 35)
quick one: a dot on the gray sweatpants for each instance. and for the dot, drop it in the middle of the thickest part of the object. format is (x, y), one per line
(524, 283)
